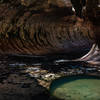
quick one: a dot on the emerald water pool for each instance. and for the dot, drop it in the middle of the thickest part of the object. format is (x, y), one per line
(76, 88)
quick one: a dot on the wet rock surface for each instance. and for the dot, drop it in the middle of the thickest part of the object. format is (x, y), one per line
(28, 81)
(25, 78)
(22, 88)
(17, 85)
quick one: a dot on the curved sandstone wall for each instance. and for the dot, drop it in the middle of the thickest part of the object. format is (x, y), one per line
(24, 30)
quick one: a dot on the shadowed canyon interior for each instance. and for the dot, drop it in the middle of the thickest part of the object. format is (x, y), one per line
(43, 40)
(25, 29)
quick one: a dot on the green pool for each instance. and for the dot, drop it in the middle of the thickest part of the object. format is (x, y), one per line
(76, 88)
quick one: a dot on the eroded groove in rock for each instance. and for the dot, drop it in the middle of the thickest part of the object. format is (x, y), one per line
(24, 31)
(93, 57)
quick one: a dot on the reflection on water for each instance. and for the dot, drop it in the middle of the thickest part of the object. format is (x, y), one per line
(44, 69)
(42, 66)
(76, 88)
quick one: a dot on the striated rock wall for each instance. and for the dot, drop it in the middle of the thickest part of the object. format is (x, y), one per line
(26, 30)
(93, 14)
(36, 30)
